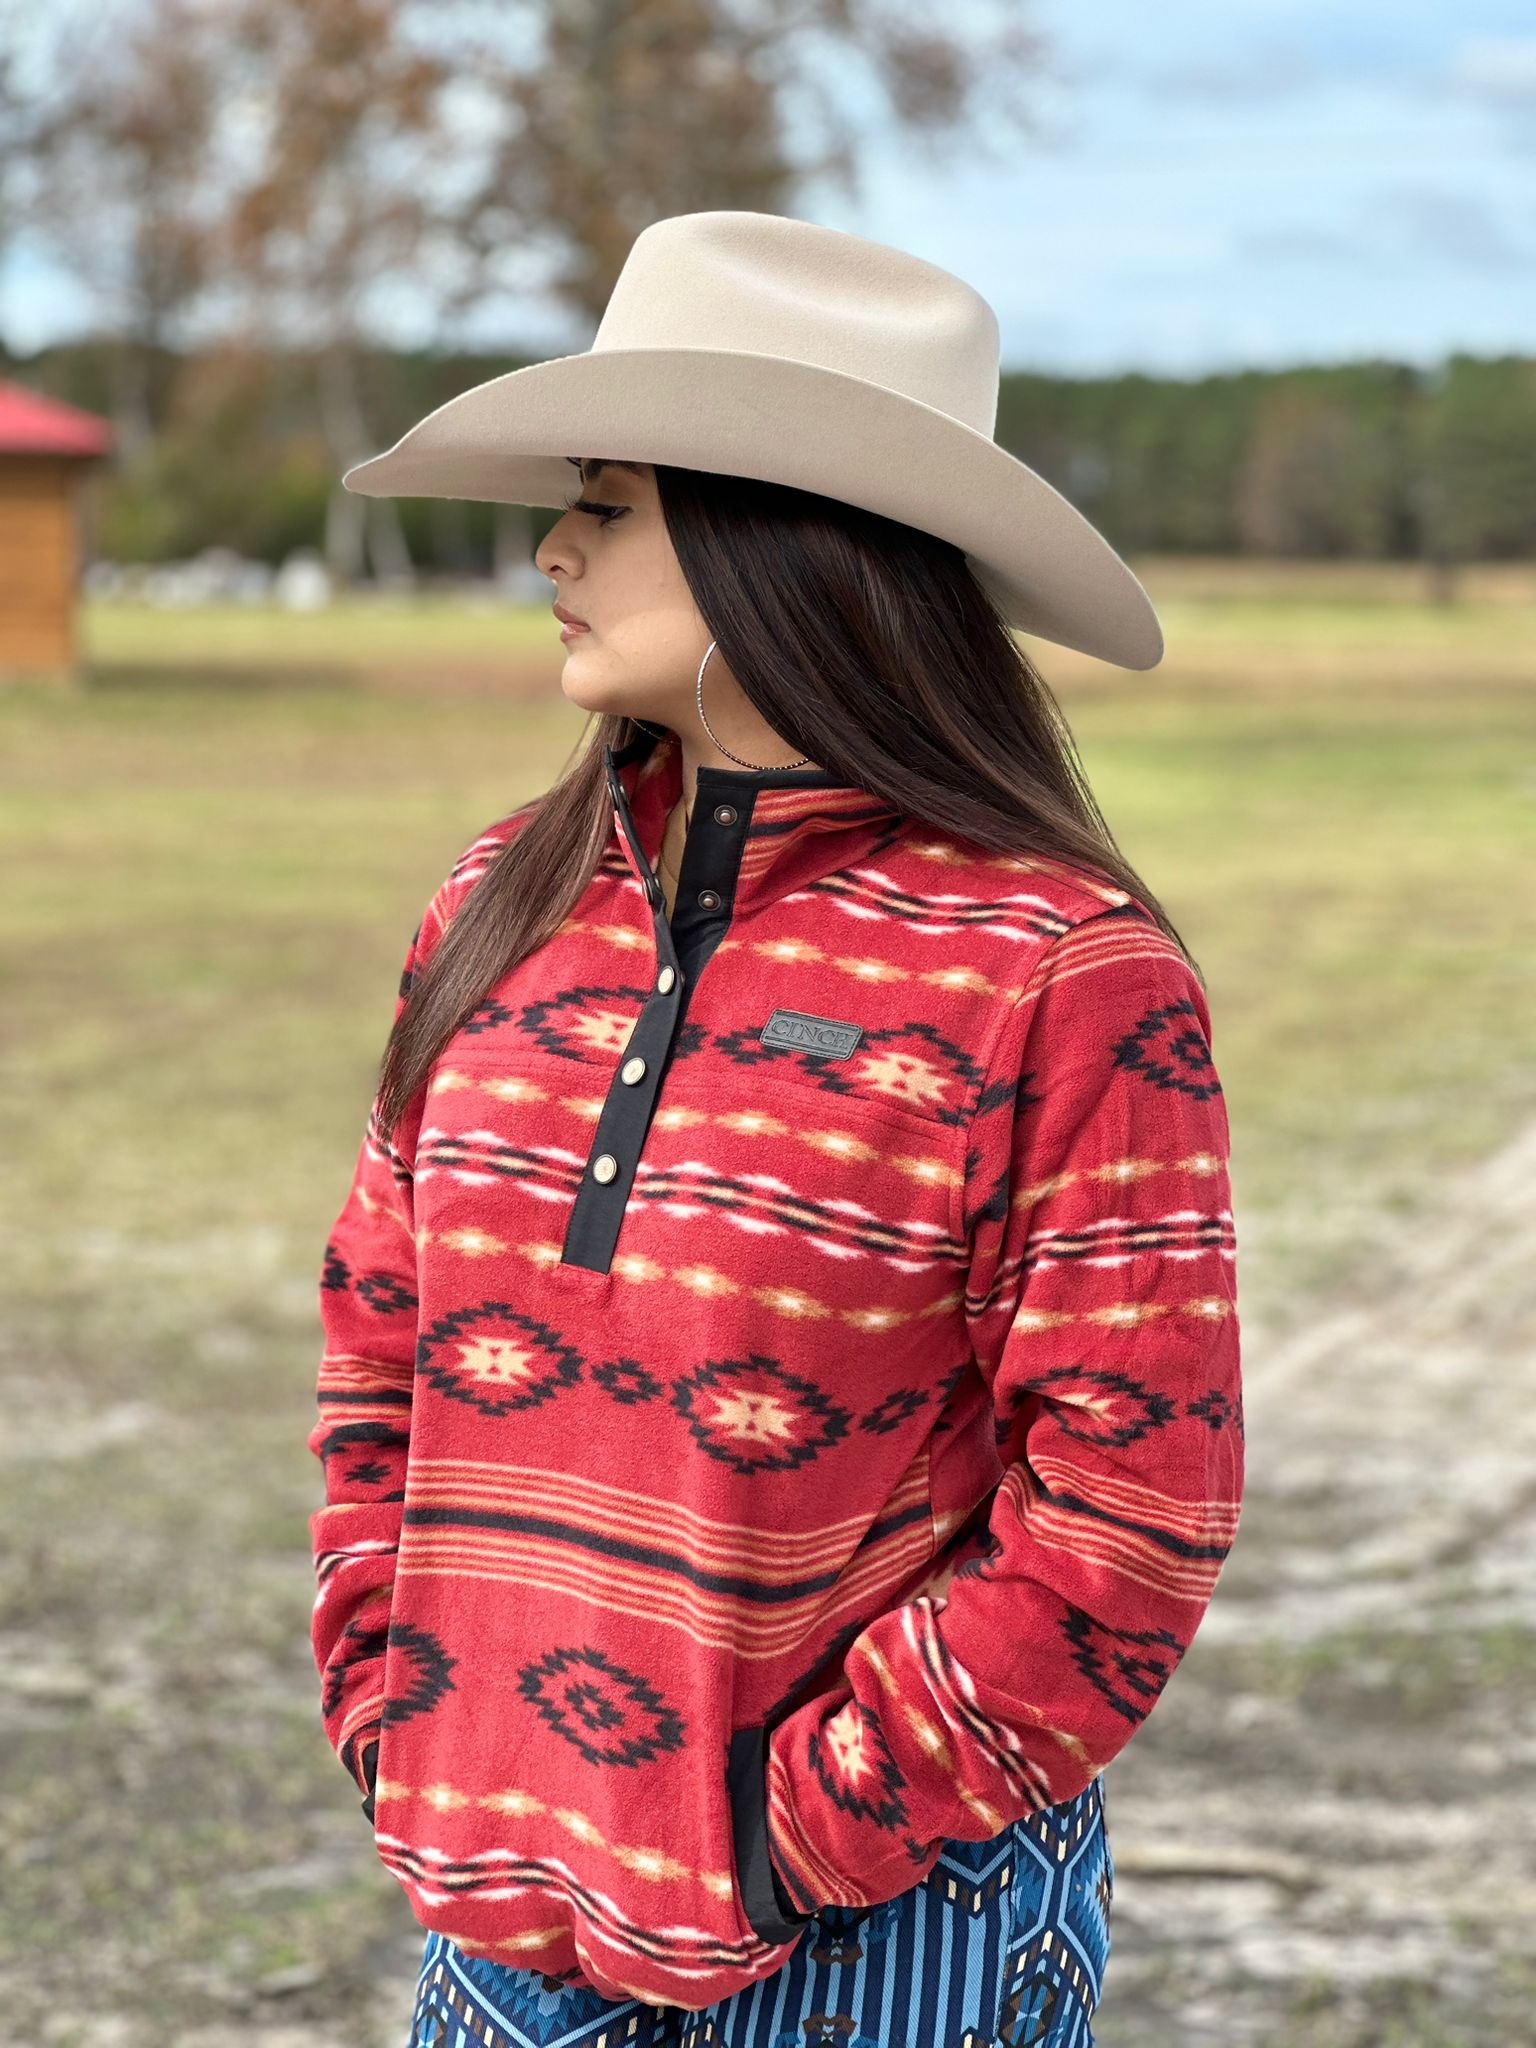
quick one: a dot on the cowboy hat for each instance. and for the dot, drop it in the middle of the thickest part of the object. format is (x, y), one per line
(767, 347)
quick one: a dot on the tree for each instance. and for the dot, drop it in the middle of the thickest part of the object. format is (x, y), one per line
(1316, 480)
(605, 115)
(19, 116)
(346, 111)
(120, 147)
(1477, 477)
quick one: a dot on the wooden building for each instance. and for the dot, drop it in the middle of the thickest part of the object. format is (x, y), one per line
(46, 452)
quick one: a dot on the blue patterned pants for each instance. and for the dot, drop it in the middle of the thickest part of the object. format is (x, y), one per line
(1002, 1945)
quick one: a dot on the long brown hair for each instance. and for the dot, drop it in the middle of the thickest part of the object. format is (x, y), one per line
(864, 643)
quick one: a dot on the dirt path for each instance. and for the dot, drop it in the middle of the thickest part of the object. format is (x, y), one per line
(1354, 1729)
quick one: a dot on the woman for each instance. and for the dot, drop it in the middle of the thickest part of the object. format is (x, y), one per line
(780, 1409)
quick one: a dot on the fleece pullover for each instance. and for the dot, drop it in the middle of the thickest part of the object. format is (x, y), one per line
(780, 1402)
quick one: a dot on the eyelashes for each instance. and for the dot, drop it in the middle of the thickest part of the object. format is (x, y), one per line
(606, 513)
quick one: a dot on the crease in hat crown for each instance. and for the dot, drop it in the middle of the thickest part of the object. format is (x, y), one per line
(759, 345)
(777, 287)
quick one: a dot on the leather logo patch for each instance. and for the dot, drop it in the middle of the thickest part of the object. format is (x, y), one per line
(823, 1038)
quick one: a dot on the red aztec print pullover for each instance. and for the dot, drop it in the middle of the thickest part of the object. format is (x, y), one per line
(780, 1404)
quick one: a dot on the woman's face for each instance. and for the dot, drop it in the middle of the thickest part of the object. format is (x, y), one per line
(614, 568)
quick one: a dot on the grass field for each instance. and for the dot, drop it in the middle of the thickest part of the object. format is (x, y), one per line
(215, 854)
(1325, 622)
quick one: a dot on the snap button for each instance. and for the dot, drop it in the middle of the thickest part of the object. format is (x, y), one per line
(725, 814)
(604, 1166)
(709, 899)
(665, 979)
(633, 1070)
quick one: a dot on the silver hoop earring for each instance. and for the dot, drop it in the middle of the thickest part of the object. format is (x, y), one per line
(699, 698)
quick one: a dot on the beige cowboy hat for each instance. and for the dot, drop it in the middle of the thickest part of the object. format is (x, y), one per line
(760, 346)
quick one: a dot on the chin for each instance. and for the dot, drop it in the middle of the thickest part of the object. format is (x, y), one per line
(583, 682)
(592, 692)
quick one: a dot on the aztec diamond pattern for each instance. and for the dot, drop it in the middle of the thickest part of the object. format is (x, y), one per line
(612, 1716)
(755, 1415)
(495, 1359)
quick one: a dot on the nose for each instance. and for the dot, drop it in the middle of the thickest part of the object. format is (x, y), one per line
(557, 554)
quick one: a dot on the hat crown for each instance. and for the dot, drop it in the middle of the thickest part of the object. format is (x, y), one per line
(772, 286)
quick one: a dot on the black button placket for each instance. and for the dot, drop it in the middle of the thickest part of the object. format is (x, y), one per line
(706, 891)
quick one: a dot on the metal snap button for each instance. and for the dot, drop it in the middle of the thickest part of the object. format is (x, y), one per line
(604, 1166)
(633, 1070)
(725, 814)
(665, 979)
(709, 899)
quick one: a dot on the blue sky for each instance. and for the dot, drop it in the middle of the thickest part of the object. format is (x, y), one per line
(1212, 186)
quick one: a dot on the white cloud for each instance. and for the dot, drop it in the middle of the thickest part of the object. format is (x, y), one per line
(1463, 229)
(1258, 76)
(1497, 68)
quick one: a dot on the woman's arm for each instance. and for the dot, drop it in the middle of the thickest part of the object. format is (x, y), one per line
(368, 1312)
(1101, 1300)
(363, 1429)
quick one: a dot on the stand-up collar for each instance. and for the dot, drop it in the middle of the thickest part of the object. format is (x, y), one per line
(755, 833)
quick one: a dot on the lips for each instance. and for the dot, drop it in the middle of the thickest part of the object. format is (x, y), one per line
(569, 618)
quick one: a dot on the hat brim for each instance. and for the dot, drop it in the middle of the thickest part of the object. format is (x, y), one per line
(1047, 568)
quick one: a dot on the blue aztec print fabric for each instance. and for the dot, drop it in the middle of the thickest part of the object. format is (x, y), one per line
(1002, 1945)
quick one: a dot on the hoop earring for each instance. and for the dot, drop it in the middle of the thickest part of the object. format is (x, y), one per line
(699, 699)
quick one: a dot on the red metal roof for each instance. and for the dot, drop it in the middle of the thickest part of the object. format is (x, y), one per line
(31, 424)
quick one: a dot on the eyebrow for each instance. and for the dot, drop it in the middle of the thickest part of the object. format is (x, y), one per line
(591, 468)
